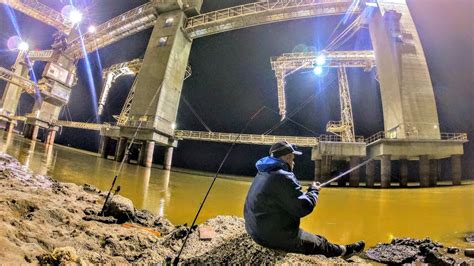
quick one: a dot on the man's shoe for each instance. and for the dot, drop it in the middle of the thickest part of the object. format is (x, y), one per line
(353, 249)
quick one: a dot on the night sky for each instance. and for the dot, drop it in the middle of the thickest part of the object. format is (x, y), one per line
(232, 78)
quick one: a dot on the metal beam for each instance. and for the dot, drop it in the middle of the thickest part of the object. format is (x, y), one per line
(264, 12)
(24, 83)
(129, 23)
(41, 12)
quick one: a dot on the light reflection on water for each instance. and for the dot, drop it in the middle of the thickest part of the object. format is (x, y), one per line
(343, 214)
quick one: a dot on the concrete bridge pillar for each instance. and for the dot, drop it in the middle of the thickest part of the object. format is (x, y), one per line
(403, 173)
(370, 173)
(32, 132)
(385, 171)
(326, 168)
(354, 175)
(456, 169)
(11, 126)
(120, 149)
(168, 158)
(433, 172)
(424, 168)
(50, 137)
(104, 146)
(146, 154)
(317, 170)
(27, 131)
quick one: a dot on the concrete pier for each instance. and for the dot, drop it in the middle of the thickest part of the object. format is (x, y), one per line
(120, 149)
(168, 158)
(354, 175)
(403, 173)
(434, 173)
(326, 168)
(317, 170)
(370, 174)
(104, 146)
(50, 137)
(32, 132)
(456, 169)
(146, 154)
(424, 168)
(385, 171)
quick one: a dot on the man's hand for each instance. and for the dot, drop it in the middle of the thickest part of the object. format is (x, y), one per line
(316, 186)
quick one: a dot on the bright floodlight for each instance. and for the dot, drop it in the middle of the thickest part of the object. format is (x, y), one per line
(318, 70)
(173, 126)
(75, 16)
(321, 60)
(92, 29)
(23, 46)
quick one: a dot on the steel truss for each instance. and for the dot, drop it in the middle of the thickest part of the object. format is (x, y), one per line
(41, 12)
(263, 12)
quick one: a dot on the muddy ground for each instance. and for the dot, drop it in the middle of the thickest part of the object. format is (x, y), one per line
(44, 221)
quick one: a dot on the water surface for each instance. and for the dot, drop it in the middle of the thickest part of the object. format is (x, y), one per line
(343, 215)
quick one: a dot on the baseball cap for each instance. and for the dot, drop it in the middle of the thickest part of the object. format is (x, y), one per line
(283, 148)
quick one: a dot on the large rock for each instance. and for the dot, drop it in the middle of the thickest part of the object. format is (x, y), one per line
(392, 254)
(121, 208)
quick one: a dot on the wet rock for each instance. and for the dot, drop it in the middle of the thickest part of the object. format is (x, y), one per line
(469, 252)
(470, 237)
(452, 250)
(90, 188)
(392, 253)
(434, 257)
(59, 256)
(102, 219)
(163, 225)
(144, 217)
(23, 207)
(90, 211)
(121, 208)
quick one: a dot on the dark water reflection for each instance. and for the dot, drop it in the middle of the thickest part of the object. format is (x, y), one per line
(343, 214)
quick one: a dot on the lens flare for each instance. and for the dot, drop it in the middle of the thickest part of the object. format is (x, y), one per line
(321, 60)
(91, 29)
(318, 70)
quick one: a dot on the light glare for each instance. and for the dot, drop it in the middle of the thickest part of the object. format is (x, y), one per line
(92, 29)
(318, 70)
(321, 60)
(23, 46)
(75, 16)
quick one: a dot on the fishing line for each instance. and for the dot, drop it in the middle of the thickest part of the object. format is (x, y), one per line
(176, 260)
(346, 172)
(127, 148)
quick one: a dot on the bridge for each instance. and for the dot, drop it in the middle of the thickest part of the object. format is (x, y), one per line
(154, 98)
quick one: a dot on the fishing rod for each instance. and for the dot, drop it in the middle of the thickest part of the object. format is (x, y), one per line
(345, 173)
(127, 149)
(176, 259)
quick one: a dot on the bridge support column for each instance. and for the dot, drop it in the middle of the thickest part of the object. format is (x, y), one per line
(456, 169)
(424, 168)
(168, 158)
(370, 173)
(120, 150)
(32, 132)
(146, 154)
(104, 146)
(317, 170)
(385, 171)
(50, 137)
(354, 175)
(326, 168)
(403, 173)
(433, 172)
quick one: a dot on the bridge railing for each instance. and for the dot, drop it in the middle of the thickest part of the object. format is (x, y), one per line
(443, 136)
(335, 138)
(245, 138)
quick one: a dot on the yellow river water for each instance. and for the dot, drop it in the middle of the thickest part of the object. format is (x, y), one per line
(343, 215)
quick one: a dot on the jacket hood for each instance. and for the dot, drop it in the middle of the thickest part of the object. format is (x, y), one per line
(269, 163)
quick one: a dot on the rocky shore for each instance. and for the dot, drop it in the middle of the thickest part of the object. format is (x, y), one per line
(46, 222)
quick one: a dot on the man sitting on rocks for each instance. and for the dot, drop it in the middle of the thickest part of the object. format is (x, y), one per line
(275, 204)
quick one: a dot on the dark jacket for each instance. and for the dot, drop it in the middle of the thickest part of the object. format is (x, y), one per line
(275, 204)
